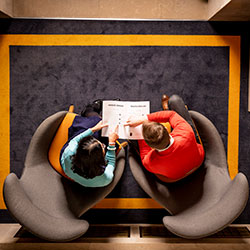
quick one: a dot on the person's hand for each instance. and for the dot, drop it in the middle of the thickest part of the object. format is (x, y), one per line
(113, 136)
(98, 126)
(135, 121)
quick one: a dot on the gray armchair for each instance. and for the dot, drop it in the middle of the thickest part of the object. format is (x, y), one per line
(204, 202)
(45, 203)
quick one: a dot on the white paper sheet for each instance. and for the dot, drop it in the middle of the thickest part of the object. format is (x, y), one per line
(118, 112)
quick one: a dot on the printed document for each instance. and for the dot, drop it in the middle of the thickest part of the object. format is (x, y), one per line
(118, 112)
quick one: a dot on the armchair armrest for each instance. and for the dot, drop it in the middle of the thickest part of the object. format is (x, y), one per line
(193, 224)
(41, 140)
(37, 221)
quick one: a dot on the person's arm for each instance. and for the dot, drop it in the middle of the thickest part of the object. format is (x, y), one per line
(111, 156)
(161, 116)
(108, 175)
(135, 121)
(98, 126)
(175, 120)
(144, 149)
(73, 144)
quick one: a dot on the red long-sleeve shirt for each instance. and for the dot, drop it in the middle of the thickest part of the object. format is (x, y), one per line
(184, 155)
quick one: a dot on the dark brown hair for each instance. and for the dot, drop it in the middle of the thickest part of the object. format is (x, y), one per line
(155, 135)
(89, 160)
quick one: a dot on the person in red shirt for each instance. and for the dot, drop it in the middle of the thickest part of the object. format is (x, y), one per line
(170, 156)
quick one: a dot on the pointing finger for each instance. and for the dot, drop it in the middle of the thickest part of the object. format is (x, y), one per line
(116, 128)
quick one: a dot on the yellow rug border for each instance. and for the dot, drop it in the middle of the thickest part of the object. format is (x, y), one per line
(233, 42)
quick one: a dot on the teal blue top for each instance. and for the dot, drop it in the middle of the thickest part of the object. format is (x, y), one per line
(98, 181)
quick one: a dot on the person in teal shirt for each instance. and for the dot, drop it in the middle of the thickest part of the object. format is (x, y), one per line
(83, 157)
